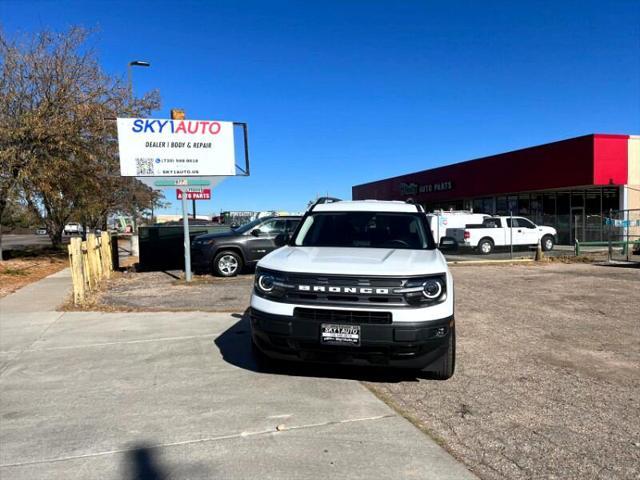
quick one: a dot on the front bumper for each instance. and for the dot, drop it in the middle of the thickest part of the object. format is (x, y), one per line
(404, 345)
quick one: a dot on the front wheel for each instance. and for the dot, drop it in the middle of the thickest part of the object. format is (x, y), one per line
(446, 366)
(547, 243)
(227, 264)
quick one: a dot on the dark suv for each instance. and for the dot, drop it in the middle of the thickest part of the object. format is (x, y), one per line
(225, 254)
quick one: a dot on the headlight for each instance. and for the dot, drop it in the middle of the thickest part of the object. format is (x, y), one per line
(265, 283)
(270, 283)
(432, 289)
(428, 290)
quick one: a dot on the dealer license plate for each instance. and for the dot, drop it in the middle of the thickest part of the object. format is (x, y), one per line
(340, 334)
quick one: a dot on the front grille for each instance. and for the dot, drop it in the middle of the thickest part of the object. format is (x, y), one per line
(343, 316)
(344, 298)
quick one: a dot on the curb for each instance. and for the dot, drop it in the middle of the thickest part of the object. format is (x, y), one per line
(490, 262)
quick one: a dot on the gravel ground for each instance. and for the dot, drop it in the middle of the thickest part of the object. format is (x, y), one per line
(164, 291)
(548, 375)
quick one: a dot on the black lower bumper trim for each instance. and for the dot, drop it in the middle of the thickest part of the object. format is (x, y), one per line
(406, 345)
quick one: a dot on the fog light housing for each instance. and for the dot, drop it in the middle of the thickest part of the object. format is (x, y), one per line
(440, 332)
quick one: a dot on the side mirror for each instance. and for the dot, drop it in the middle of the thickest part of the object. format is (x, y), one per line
(281, 239)
(256, 232)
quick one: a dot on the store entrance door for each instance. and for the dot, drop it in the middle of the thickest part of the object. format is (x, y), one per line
(578, 220)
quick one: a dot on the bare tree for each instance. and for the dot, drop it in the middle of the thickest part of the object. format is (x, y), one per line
(57, 134)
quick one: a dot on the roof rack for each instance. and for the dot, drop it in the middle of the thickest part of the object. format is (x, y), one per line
(322, 200)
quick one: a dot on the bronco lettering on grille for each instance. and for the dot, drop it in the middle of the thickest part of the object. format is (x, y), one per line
(356, 290)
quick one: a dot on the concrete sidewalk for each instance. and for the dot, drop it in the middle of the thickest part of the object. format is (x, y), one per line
(178, 395)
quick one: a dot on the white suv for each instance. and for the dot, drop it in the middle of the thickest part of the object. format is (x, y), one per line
(358, 282)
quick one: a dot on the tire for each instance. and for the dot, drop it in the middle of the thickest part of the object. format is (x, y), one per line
(227, 264)
(547, 243)
(446, 366)
(485, 246)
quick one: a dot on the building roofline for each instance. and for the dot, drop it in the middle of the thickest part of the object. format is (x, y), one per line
(593, 135)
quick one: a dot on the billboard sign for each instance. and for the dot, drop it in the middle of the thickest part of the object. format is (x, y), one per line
(195, 194)
(175, 148)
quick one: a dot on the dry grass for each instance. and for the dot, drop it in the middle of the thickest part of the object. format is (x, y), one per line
(18, 272)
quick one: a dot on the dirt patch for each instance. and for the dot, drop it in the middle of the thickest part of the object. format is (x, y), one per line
(167, 291)
(18, 272)
(548, 374)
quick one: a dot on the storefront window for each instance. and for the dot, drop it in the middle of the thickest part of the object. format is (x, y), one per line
(562, 218)
(523, 205)
(610, 205)
(549, 209)
(610, 199)
(501, 206)
(577, 199)
(487, 205)
(593, 215)
(535, 208)
(482, 205)
(512, 205)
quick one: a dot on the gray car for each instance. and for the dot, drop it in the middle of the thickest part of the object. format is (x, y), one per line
(226, 254)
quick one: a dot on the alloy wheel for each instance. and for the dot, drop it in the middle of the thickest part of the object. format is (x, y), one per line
(228, 264)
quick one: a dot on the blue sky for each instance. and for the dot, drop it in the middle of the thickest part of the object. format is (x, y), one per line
(338, 93)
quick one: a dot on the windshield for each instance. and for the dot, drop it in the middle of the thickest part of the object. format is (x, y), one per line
(248, 226)
(365, 230)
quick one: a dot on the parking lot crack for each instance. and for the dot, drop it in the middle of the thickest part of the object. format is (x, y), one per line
(270, 431)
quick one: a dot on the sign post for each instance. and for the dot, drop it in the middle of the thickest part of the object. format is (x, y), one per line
(187, 241)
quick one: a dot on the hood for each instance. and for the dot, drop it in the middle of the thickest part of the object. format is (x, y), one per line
(355, 261)
(209, 236)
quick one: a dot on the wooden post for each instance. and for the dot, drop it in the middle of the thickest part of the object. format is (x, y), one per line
(77, 273)
(94, 261)
(99, 269)
(86, 268)
(105, 250)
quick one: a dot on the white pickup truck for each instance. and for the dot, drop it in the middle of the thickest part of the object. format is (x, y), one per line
(501, 232)
(442, 222)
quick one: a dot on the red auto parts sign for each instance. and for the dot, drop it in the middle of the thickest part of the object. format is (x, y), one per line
(175, 148)
(204, 194)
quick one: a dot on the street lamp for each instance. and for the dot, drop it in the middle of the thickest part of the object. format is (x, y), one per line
(134, 63)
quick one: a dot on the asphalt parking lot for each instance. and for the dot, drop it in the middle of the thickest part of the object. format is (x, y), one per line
(22, 241)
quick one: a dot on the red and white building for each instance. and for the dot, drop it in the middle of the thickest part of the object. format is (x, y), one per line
(571, 185)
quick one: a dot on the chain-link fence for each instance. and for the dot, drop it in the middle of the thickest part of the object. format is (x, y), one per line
(623, 235)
